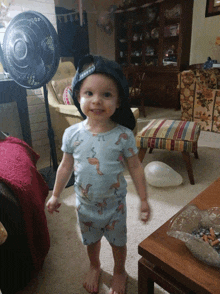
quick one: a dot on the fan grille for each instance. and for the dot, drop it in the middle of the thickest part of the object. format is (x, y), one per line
(31, 49)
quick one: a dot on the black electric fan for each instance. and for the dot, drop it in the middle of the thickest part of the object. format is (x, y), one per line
(31, 57)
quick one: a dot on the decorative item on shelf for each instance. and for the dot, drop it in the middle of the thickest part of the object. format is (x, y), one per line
(136, 53)
(135, 37)
(147, 35)
(149, 51)
(171, 30)
(167, 61)
(170, 56)
(174, 12)
(126, 2)
(209, 63)
(151, 61)
(138, 22)
(155, 33)
(169, 51)
(151, 14)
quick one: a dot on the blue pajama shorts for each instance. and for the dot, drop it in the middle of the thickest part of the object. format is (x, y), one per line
(106, 217)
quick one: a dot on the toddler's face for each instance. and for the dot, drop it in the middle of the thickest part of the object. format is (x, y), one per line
(98, 97)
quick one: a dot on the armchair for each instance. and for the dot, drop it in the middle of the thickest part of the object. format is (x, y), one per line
(200, 97)
(64, 115)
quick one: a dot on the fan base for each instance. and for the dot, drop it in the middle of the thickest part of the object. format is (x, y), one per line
(49, 175)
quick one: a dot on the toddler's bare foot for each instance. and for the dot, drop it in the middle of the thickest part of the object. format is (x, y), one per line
(91, 283)
(118, 283)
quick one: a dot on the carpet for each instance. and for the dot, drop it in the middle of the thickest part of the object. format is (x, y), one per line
(67, 263)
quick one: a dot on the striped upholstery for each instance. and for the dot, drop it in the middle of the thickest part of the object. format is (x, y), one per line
(169, 134)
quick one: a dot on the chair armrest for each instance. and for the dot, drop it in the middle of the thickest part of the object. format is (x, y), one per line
(3, 234)
(68, 110)
(135, 112)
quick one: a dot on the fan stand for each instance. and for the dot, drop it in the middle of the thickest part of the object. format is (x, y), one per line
(49, 173)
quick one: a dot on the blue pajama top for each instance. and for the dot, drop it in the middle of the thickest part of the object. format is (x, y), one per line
(98, 160)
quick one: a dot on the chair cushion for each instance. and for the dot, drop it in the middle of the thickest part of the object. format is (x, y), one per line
(67, 97)
(59, 86)
(206, 108)
(169, 134)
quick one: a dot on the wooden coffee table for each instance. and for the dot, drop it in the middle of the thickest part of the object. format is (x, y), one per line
(167, 261)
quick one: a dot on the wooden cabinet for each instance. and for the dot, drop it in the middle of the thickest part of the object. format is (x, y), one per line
(155, 36)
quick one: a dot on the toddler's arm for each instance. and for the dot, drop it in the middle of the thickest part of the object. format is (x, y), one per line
(137, 173)
(63, 175)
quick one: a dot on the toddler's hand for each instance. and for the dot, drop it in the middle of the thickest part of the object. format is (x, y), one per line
(144, 211)
(53, 204)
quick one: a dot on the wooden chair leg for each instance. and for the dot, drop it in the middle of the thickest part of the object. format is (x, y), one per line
(141, 154)
(186, 158)
(143, 107)
(196, 154)
(151, 150)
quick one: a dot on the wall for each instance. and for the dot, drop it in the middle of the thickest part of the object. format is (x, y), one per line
(45, 7)
(204, 32)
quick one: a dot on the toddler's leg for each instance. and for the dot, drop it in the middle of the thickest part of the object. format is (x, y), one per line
(119, 275)
(91, 283)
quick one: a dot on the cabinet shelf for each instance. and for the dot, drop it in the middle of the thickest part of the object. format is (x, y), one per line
(168, 22)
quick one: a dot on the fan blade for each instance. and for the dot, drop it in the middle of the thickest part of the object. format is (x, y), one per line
(38, 69)
(31, 49)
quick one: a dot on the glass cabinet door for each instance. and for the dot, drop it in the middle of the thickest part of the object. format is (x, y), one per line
(136, 36)
(170, 42)
(151, 34)
(121, 38)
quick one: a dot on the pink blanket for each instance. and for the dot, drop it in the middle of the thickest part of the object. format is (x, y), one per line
(18, 171)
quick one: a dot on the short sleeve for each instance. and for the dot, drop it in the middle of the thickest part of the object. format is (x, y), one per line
(66, 142)
(130, 148)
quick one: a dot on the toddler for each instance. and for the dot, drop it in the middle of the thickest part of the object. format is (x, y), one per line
(96, 150)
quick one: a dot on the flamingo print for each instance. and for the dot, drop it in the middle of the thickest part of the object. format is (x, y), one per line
(120, 207)
(101, 205)
(122, 136)
(116, 185)
(121, 158)
(87, 226)
(94, 161)
(77, 142)
(132, 151)
(112, 226)
(85, 191)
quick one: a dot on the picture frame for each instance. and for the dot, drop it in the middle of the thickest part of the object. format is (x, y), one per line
(212, 8)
